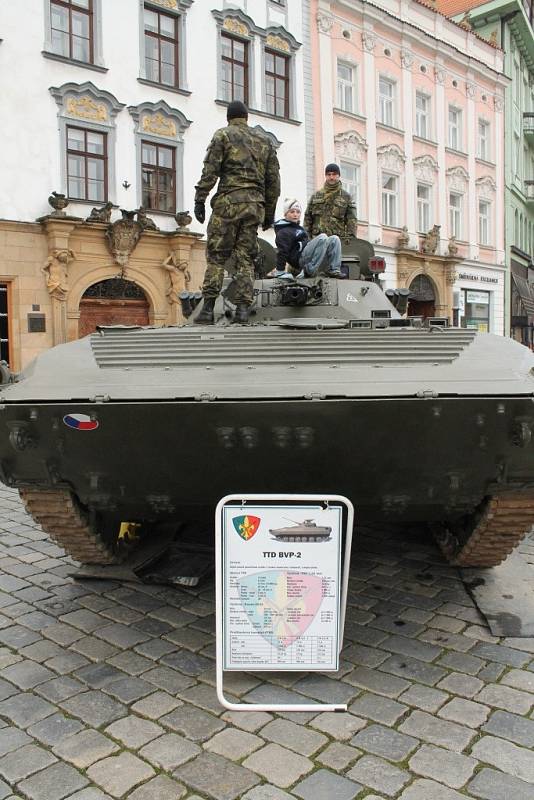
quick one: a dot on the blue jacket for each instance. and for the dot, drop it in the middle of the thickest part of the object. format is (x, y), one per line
(291, 239)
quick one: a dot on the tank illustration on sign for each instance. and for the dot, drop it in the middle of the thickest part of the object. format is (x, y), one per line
(306, 531)
(330, 388)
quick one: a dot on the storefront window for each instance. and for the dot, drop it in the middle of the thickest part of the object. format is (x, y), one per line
(474, 311)
(4, 326)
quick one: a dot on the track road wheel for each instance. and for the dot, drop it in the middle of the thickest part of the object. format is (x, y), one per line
(487, 537)
(60, 515)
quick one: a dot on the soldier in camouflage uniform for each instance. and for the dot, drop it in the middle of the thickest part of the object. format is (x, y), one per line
(247, 168)
(331, 213)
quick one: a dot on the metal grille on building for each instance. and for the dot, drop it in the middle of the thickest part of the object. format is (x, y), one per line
(4, 324)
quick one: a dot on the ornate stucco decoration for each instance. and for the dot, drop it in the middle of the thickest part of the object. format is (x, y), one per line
(85, 108)
(498, 102)
(55, 270)
(439, 74)
(275, 141)
(390, 156)
(325, 22)
(458, 178)
(159, 120)
(470, 89)
(235, 26)
(166, 3)
(158, 124)
(350, 144)
(406, 57)
(425, 168)
(368, 41)
(486, 187)
(122, 237)
(277, 43)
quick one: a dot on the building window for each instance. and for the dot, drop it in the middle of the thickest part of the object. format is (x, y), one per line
(234, 69)
(158, 177)
(455, 128)
(390, 193)
(386, 96)
(87, 165)
(483, 140)
(350, 175)
(475, 310)
(161, 47)
(423, 207)
(422, 115)
(346, 87)
(483, 222)
(4, 324)
(277, 84)
(455, 215)
(71, 24)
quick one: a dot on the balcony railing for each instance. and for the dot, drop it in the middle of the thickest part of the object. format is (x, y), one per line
(528, 188)
(528, 125)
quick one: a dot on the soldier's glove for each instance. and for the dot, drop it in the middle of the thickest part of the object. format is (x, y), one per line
(200, 212)
(268, 222)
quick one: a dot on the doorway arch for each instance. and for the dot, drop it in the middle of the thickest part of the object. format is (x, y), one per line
(422, 300)
(115, 301)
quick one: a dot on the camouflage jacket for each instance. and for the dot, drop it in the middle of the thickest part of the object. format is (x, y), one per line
(330, 212)
(246, 165)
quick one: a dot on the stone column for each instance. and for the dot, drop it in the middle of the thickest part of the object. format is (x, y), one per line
(58, 231)
(180, 243)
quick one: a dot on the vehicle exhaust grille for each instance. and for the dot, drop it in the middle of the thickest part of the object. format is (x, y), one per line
(157, 348)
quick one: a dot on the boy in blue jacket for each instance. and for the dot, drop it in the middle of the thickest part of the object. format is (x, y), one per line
(304, 257)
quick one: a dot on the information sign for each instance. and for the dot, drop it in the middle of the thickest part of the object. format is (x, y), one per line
(282, 568)
(281, 587)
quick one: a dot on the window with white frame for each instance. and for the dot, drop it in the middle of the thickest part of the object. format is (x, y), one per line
(483, 222)
(350, 176)
(455, 214)
(386, 101)
(390, 199)
(483, 149)
(424, 207)
(346, 87)
(455, 128)
(422, 115)
(73, 31)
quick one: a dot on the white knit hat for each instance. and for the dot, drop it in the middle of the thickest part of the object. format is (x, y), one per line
(291, 203)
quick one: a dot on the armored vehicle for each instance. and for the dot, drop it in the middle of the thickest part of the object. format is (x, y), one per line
(306, 531)
(330, 388)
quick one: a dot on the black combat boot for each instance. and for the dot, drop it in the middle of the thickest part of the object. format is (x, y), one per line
(242, 313)
(206, 314)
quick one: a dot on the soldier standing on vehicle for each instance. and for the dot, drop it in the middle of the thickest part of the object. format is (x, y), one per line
(331, 214)
(245, 164)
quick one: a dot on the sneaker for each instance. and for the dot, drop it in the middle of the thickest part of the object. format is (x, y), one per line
(300, 275)
(277, 273)
(286, 276)
(335, 273)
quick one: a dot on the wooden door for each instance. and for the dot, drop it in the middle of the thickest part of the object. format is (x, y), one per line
(104, 311)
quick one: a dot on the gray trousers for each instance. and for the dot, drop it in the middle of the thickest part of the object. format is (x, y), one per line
(321, 248)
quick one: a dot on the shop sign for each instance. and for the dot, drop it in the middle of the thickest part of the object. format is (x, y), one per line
(478, 297)
(465, 276)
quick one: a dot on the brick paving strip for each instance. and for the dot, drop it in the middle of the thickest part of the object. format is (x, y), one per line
(107, 689)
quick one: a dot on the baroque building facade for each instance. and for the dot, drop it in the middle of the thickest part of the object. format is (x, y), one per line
(510, 25)
(105, 125)
(410, 104)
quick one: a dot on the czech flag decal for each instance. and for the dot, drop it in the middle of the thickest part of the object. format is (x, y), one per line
(246, 526)
(81, 422)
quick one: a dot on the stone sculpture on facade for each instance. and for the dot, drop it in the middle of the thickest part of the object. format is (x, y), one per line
(404, 238)
(430, 243)
(101, 214)
(183, 219)
(179, 276)
(452, 248)
(145, 222)
(122, 237)
(55, 269)
(58, 202)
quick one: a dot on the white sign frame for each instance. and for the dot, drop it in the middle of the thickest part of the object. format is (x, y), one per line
(219, 588)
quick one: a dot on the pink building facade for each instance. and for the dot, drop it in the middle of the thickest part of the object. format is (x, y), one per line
(410, 105)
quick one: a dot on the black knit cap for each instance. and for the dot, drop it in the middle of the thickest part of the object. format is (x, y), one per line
(236, 109)
(332, 168)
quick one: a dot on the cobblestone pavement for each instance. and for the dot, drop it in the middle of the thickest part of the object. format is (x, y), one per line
(107, 690)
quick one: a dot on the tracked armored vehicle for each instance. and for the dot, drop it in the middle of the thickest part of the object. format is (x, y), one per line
(306, 531)
(328, 389)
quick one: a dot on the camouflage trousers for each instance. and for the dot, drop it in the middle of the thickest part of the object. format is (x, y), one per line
(232, 232)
